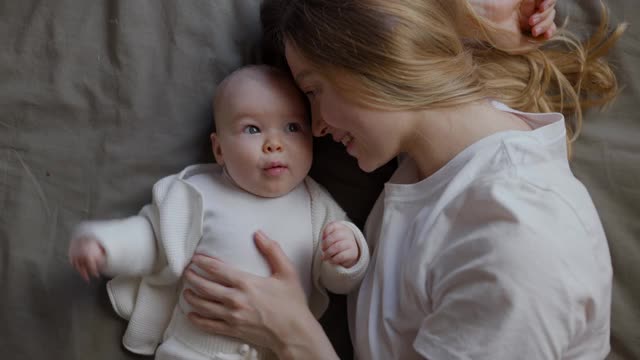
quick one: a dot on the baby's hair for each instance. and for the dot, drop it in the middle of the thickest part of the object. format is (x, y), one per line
(418, 54)
(257, 69)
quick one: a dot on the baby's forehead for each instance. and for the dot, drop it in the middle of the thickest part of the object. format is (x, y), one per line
(259, 79)
(253, 83)
(257, 89)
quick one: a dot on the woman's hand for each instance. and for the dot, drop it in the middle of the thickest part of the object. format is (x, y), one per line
(522, 22)
(270, 312)
(536, 17)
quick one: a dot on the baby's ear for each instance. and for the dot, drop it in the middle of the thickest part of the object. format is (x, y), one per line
(216, 149)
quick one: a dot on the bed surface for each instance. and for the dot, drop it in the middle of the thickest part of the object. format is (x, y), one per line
(98, 100)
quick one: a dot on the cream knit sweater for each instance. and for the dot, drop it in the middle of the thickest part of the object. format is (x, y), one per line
(147, 254)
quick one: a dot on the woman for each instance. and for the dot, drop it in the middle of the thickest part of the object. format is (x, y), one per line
(484, 245)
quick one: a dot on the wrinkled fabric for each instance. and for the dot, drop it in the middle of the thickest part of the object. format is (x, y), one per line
(100, 99)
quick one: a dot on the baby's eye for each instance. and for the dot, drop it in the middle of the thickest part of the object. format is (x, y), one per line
(293, 127)
(251, 129)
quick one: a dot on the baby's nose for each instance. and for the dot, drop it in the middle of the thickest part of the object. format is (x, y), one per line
(272, 145)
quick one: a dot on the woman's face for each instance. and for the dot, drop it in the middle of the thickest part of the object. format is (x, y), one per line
(373, 137)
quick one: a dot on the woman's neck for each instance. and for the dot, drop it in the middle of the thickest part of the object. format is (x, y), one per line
(441, 134)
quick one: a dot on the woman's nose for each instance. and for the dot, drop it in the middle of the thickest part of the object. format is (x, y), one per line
(272, 145)
(319, 127)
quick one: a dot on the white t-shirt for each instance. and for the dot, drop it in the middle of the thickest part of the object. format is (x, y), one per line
(498, 255)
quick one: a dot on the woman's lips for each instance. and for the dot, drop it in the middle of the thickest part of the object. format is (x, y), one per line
(346, 140)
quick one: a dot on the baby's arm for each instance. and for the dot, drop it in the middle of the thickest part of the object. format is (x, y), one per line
(87, 256)
(346, 257)
(114, 247)
(339, 269)
(339, 245)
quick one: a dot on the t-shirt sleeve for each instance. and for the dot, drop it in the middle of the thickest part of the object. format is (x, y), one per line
(495, 290)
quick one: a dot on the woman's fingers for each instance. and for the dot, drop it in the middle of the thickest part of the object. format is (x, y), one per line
(547, 4)
(210, 325)
(537, 17)
(272, 252)
(205, 307)
(542, 21)
(528, 8)
(232, 302)
(545, 24)
(212, 290)
(551, 31)
(217, 270)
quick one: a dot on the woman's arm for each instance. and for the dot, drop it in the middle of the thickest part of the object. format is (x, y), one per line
(270, 312)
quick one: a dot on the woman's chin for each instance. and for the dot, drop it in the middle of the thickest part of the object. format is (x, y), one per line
(367, 166)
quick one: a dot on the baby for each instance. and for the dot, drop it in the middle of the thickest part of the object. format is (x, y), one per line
(262, 145)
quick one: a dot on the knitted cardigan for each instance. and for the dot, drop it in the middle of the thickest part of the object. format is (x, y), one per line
(147, 254)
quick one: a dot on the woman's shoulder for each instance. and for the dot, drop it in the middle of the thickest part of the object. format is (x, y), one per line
(537, 194)
(525, 199)
(516, 223)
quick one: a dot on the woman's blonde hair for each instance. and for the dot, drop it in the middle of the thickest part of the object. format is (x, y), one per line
(417, 54)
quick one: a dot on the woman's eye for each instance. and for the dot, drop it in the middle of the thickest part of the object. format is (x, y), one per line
(250, 129)
(293, 127)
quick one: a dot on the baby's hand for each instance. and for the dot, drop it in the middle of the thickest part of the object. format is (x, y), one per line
(339, 245)
(87, 256)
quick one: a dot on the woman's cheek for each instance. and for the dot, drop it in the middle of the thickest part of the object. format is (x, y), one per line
(316, 116)
(331, 116)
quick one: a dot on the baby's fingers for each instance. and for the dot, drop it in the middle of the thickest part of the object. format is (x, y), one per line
(85, 275)
(334, 249)
(82, 270)
(334, 237)
(345, 258)
(84, 267)
(328, 242)
(330, 229)
(93, 267)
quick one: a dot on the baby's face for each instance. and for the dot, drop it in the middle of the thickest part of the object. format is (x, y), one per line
(262, 137)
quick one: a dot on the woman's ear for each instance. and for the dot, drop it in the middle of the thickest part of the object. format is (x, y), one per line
(216, 149)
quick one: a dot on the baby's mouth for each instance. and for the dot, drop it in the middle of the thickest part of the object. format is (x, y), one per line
(275, 169)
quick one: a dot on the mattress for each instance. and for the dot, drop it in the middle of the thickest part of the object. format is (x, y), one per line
(99, 99)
